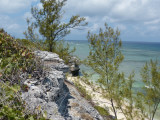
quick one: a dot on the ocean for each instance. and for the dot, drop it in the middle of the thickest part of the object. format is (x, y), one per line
(136, 54)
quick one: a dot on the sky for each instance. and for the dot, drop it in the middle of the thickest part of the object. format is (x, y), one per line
(138, 20)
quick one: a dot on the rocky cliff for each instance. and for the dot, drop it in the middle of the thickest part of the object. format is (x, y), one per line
(51, 93)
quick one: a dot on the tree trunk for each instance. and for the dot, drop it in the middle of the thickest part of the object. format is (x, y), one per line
(155, 109)
(50, 47)
(114, 110)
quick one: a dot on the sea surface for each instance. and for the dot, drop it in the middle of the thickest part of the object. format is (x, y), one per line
(136, 55)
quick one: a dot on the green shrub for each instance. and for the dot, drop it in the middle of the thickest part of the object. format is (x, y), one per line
(15, 59)
(37, 45)
(83, 91)
(62, 48)
(11, 105)
(13, 56)
(102, 111)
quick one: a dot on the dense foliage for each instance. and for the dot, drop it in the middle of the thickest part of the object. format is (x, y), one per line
(15, 59)
(151, 97)
(36, 45)
(13, 56)
(64, 51)
(48, 20)
(104, 58)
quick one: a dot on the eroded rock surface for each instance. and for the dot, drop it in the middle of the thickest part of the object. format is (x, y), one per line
(60, 100)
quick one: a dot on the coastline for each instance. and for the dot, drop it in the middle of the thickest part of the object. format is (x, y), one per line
(96, 97)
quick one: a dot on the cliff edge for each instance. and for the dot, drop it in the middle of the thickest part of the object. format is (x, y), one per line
(52, 95)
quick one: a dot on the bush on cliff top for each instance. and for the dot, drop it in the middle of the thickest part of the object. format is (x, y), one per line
(13, 56)
(15, 59)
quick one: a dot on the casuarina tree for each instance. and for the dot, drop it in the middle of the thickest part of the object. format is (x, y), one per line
(104, 58)
(49, 21)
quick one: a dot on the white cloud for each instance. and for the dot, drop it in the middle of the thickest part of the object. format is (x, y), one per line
(94, 28)
(11, 25)
(11, 6)
(13, 15)
(39, 5)
(132, 17)
(109, 19)
(121, 27)
(14, 26)
(156, 21)
(121, 10)
(153, 28)
(27, 15)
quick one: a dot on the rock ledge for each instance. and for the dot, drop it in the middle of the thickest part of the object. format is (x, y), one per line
(52, 94)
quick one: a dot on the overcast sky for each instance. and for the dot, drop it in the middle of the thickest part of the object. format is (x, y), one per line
(138, 20)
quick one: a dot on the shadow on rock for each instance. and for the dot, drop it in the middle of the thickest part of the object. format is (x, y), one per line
(63, 102)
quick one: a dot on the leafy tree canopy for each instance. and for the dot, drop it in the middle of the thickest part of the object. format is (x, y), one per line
(49, 21)
(104, 58)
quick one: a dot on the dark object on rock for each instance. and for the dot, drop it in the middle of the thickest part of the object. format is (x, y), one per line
(74, 66)
(74, 69)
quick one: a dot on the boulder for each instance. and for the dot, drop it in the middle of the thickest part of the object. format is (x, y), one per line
(74, 66)
(44, 92)
(52, 60)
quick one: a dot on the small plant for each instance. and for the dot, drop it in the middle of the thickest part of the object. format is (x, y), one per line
(62, 48)
(75, 105)
(36, 45)
(103, 112)
(86, 116)
(11, 105)
(83, 91)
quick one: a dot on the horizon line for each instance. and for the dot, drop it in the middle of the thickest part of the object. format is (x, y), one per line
(122, 41)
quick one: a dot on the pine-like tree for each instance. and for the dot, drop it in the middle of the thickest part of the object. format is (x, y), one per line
(49, 21)
(104, 58)
(151, 78)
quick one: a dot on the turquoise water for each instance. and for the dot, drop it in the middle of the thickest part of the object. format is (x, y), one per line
(136, 55)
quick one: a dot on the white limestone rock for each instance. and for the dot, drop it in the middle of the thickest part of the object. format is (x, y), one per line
(52, 95)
